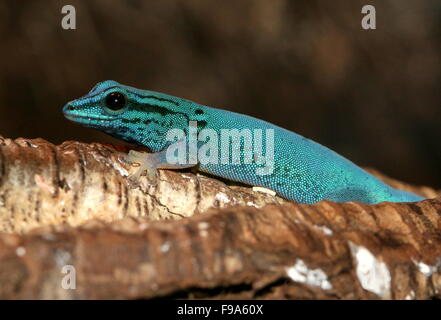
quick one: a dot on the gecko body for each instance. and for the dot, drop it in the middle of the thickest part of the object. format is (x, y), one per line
(302, 170)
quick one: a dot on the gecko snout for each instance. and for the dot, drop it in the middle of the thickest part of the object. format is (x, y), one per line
(69, 107)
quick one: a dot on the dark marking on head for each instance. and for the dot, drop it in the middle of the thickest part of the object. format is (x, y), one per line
(199, 111)
(135, 120)
(147, 107)
(161, 99)
(122, 129)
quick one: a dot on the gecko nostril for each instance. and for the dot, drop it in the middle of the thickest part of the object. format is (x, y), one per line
(69, 107)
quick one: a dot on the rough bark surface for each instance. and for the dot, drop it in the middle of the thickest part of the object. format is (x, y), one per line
(71, 205)
(42, 184)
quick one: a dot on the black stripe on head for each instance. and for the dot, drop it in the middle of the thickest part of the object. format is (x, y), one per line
(147, 107)
(161, 99)
(133, 121)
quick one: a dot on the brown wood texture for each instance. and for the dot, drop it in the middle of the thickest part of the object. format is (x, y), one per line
(187, 235)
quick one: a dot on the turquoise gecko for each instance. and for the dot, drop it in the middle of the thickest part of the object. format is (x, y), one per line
(302, 170)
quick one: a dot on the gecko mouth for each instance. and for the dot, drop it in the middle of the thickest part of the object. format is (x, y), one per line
(92, 122)
(74, 117)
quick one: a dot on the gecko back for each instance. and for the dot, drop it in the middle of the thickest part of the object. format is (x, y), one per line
(303, 170)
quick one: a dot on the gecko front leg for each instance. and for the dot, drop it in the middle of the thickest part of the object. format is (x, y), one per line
(151, 162)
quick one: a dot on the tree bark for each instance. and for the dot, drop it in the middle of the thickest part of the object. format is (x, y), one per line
(188, 235)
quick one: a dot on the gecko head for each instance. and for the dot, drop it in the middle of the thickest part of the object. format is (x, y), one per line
(137, 116)
(99, 109)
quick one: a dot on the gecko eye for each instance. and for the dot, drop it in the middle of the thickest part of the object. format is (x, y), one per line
(115, 101)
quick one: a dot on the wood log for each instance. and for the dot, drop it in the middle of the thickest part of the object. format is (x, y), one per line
(188, 235)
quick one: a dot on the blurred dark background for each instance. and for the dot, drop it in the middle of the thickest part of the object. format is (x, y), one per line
(373, 96)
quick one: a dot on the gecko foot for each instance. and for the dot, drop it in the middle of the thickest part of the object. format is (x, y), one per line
(150, 162)
(145, 162)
